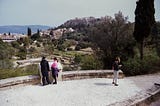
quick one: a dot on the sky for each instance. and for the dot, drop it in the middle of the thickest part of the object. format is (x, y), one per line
(56, 12)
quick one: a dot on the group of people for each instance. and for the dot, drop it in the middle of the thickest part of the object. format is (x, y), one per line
(56, 67)
(45, 70)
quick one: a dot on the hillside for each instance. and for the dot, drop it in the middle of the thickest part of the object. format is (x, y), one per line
(22, 29)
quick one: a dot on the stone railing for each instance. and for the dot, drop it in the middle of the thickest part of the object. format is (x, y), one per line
(63, 76)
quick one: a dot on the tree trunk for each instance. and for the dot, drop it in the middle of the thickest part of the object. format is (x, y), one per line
(141, 49)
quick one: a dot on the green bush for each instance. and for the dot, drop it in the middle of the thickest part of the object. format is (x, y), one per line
(61, 47)
(6, 50)
(77, 47)
(6, 64)
(77, 58)
(32, 49)
(67, 68)
(38, 44)
(135, 66)
(15, 44)
(69, 49)
(90, 62)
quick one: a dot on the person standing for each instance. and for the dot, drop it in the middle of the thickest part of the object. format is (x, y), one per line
(115, 67)
(44, 70)
(60, 69)
(55, 70)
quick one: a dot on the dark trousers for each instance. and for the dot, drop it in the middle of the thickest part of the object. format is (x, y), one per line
(55, 74)
(55, 78)
(45, 78)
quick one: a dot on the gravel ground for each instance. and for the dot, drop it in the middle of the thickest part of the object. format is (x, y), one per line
(86, 92)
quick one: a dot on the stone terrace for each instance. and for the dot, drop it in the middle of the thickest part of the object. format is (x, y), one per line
(131, 91)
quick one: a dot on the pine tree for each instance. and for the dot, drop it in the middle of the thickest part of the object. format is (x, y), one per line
(29, 31)
(144, 20)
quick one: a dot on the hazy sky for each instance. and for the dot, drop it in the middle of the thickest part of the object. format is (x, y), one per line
(56, 12)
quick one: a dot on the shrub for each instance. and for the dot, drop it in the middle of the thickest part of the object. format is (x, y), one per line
(67, 68)
(28, 70)
(6, 64)
(38, 44)
(136, 66)
(61, 47)
(77, 47)
(70, 49)
(32, 49)
(83, 45)
(15, 44)
(90, 62)
(77, 58)
(31, 69)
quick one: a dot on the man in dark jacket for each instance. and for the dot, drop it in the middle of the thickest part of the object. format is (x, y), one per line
(44, 70)
(115, 67)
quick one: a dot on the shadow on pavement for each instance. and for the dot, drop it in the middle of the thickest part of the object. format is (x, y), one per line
(104, 84)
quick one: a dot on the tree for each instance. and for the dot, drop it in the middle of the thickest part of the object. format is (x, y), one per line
(155, 33)
(26, 41)
(15, 44)
(90, 62)
(6, 51)
(36, 36)
(112, 37)
(29, 31)
(144, 20)
(22, 52)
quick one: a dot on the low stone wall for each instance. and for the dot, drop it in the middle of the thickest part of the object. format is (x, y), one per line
(63, 76)
(19, 80)
(86, 74)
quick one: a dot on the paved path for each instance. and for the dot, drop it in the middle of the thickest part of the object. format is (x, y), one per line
(87, 92)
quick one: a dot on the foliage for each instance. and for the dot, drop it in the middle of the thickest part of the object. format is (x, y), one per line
(29, 31)
(38, 44)
(77, 47)
(26, 41)
(135, 66)
(77, 36)
(35, 36)
(61, 47)
(6, 51)
(89, 62)
(112, 37)
(28, 70)
(82, 45)
(67, 68)
(6, 64)
(155, 34)
(15, 44)
(32, 50)
(63, 44)
(49, 49)
(22, 52)
(144, 20)
(78, 58)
